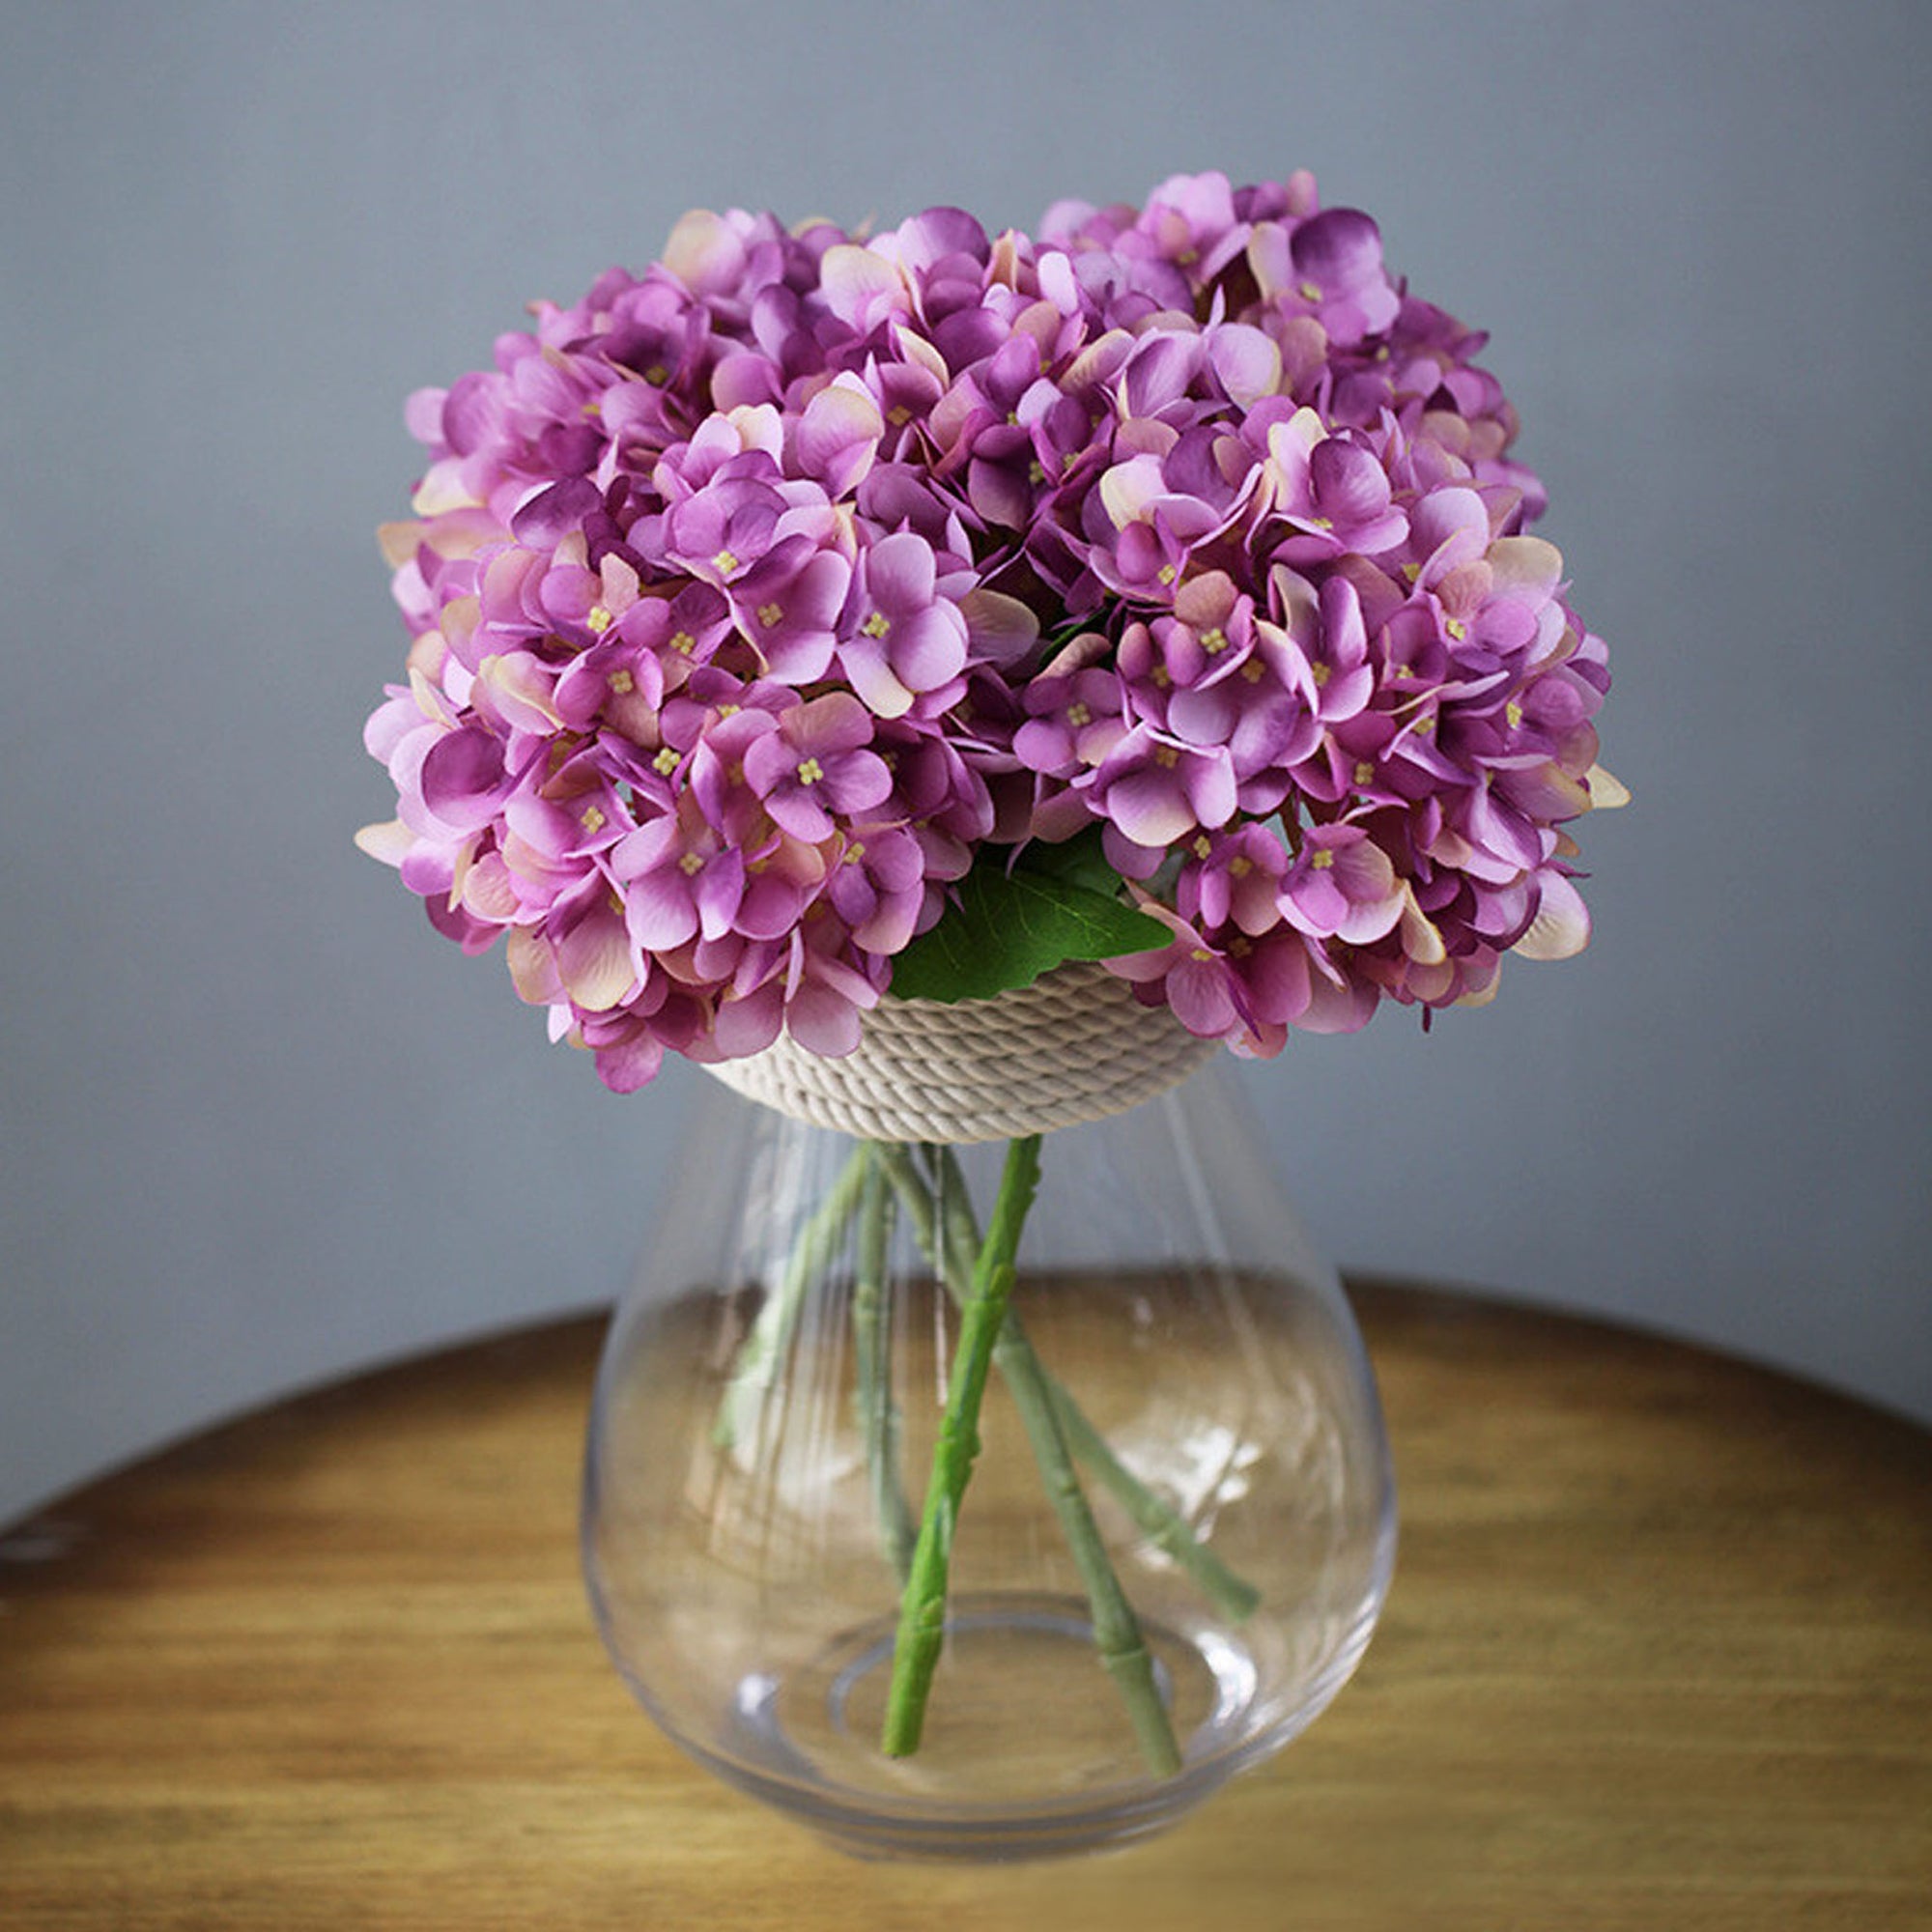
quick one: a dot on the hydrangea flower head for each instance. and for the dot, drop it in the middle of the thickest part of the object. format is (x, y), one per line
(753, 599)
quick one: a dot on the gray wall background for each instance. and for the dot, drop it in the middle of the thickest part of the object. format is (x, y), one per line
(259, 1125)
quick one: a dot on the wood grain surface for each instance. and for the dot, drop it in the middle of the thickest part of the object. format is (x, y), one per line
(1659, 1655)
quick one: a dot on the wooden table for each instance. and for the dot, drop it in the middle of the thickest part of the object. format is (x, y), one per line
(1659, 1655)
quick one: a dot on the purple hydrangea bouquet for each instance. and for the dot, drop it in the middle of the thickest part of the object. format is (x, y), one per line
(817, 627)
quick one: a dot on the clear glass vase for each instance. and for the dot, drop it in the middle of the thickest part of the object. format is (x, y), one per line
(1172, 1546)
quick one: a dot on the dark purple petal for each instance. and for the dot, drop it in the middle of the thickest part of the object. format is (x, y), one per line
(552, 514)
(1338, 250)
(462, 779)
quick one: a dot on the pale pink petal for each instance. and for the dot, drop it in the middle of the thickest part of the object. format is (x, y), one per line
(1561, 928)
(704, 253)
(856, 284)
(1526, 567)
(837, 438)
(1247, 363)
(390, 841)
(871, 677)
(1151, 807)
(1608, 793)
(1129, 487)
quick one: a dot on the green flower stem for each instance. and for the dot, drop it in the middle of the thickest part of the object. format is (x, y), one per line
(872, 1392)
(922, 1631)
(915, 1198)
(1157, 1518)
(1117, 1631)
(811, 1251)
(1163, 1525)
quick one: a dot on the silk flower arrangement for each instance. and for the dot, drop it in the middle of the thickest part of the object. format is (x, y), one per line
(815, 623)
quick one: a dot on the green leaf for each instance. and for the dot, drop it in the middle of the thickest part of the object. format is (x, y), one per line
(1009, 927)
(1079, 861)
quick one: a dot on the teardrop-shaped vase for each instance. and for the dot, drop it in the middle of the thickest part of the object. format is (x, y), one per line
(1178, 1400)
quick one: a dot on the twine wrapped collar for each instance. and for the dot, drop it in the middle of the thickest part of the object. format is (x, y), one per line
(1075, 1045)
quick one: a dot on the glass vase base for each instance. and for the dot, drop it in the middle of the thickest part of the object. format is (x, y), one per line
(1174, 1438)
(1020, 1703)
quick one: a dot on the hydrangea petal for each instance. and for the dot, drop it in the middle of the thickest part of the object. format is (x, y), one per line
(858, 283)
(388, 842)
(1561, 928)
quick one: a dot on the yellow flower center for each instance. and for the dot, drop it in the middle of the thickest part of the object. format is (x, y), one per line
(770, 614)
(1455, 628)
(1254, 670)
(592, 820)
(1202, 953)
(1166, 574)
(1241, 866)
(1324, 860)
(1161, 677)
(1364, 771)
(683, 644)
(899, 416)
(725, 563)
(1310, 291)
(691, 865)
(1322, 673)
(665, 763)
(621, 682)
(1202, 847)
(1512, 711)
(598, 619)
(876, 625)
(1166, 755)
(1078, 715)
(809, 772)
(1213, 641)
(657, 373)
(854, 852)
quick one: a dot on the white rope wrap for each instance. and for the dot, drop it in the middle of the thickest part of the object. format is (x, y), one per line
(1075, 1045)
